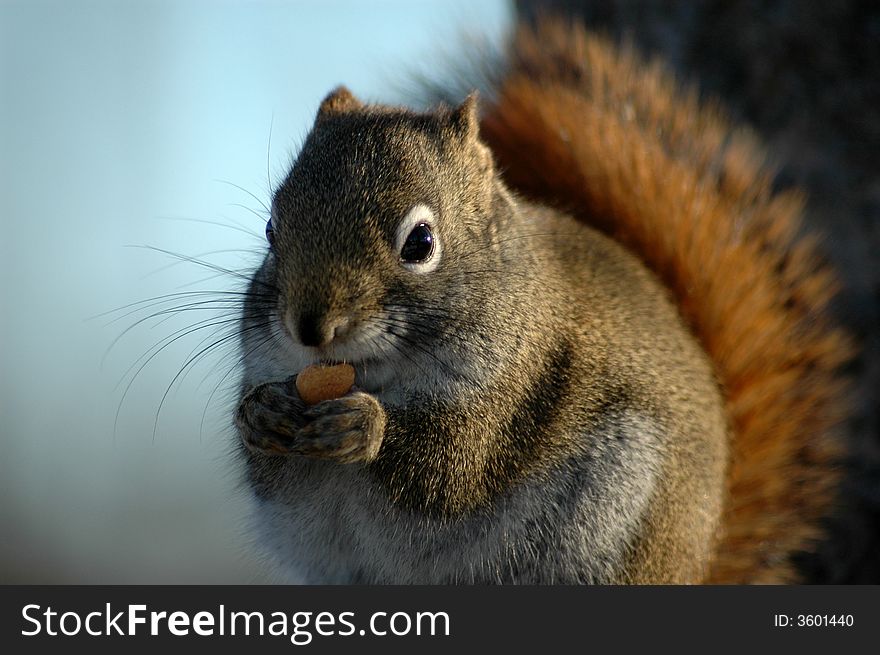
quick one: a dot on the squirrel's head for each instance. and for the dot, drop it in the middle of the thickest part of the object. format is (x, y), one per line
(380, 229)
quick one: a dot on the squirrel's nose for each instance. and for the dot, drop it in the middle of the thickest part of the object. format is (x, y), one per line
(318, 330)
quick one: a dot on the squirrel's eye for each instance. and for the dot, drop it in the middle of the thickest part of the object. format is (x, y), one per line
(419, 245)
(270, 233)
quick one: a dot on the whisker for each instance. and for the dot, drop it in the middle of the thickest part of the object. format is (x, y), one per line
(247, 276)
(253, 211)
(269, 337)
(191, 362)
(201, 254)
(175, 336)
(444, 365)
(209, 278)
(241, 188)
(169, 313)
(416, 311)
(229, 226)
(269, 153)
(392, 343)
(162, 297)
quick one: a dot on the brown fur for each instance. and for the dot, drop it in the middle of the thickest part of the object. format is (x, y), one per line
(593, 130)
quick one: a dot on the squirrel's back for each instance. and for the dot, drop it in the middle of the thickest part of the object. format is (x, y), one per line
(580, 124)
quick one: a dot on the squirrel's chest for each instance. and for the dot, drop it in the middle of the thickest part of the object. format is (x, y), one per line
(322, 523)
(329, 525)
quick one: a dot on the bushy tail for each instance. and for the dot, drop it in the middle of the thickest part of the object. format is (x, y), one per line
(592, 129)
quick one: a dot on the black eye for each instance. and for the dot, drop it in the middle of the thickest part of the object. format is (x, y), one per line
(419, 245)
(270, 233)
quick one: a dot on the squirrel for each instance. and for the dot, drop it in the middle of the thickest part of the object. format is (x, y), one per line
(591, 343)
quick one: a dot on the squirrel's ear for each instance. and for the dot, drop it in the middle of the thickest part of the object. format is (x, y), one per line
(339, 100)
(465, 119)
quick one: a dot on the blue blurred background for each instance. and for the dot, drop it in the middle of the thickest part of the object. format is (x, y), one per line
(131, 124)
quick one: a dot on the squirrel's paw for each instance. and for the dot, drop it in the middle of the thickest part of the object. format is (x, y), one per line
(347, 429)
(269, 416)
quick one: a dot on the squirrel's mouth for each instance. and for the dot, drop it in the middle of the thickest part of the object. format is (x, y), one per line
(370, 374)
(373, 365)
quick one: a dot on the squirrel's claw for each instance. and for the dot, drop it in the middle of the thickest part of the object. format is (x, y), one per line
(268, 417)
(273, 420)
(347, 429)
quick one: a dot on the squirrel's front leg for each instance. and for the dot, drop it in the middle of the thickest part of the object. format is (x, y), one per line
(273, 420)
(268, 416)
(347, 429)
